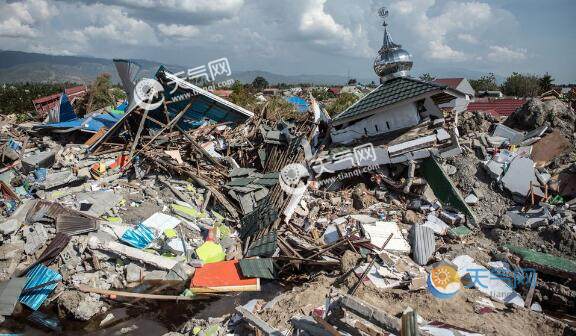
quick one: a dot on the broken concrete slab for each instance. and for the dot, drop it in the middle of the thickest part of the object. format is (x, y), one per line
(436, 224)
(35, 236)
(41, 160)
(531, 218)
(98, 202)
(101, 242)
(9, 293)
(134, 273)
(471, 199)
(386, 236)
(519, 175)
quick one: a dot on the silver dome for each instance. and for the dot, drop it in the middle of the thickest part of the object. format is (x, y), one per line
(392, 61)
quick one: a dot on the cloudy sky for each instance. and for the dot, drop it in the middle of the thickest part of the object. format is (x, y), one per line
(303, 36)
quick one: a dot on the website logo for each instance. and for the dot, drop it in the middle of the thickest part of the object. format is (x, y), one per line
(292, 177)
(444, 281)
(148, 94)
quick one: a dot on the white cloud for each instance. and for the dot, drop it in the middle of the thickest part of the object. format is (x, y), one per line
(439, 50)
(505, 54)
(469, 38)
(320, 27)
(178, 31)
(19, 19)
(110, 25)
(323, 36)
(14, 28)
(456, 21)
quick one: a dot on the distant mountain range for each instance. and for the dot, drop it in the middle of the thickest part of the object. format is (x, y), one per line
(18, 66)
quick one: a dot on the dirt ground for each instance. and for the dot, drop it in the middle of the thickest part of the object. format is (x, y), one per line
(457, 311)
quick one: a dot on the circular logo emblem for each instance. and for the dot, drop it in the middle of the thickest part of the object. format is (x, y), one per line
(147, 93)
(291, 178)
(443, 281)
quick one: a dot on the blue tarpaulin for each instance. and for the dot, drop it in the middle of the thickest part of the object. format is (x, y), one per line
(139, 237)
(89, 124)
(300, 103)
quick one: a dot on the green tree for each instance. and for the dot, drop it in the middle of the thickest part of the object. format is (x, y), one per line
(521, 85)
(277, 108)
(100, 94)
(545, 83)
(259, 83)
(17, 97)
(341, 103)
(322, 94)
(485, 83)
(426, 77)
(243, 96)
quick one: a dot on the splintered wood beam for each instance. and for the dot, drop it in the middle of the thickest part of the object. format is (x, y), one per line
(169, 125)
(218, 196)
(200, 149)
(138, 133)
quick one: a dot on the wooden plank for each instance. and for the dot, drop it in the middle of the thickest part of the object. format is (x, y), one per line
(326, 326)
(96, 136)
(258, 322)
(138, 133)
(88, 289)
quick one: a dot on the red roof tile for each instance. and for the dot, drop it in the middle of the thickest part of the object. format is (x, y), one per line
(335, 90)
(449, 82)
(48, 102)
(497, 107)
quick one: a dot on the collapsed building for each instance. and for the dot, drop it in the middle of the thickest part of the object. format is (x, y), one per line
(386, 219)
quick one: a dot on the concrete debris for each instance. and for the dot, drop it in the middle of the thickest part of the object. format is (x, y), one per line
(519, 176)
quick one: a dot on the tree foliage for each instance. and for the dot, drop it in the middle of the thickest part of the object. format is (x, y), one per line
(100, 95)
(485, 83)
(322, 94)
(277, 108)
(17, 98)
(521, 85)
(259, 83)
(341, 103)
(242, 95)
(545, 83)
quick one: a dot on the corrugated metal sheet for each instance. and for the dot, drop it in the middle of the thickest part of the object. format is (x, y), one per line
(49, 211)
(53, 250)
(43, 209)
(73, 225)
(37, 294)
(423, 243)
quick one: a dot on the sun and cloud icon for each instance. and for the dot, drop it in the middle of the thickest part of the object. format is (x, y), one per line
(443, 280)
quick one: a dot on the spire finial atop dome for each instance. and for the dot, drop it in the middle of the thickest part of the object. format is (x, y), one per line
(392, 61)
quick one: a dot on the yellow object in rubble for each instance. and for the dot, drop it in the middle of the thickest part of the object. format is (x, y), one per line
(210, 252)
(170, 233)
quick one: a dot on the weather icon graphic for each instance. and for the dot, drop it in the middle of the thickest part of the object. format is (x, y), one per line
(444, 281)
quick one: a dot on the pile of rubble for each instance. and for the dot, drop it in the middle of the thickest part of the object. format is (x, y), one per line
(149, 211)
